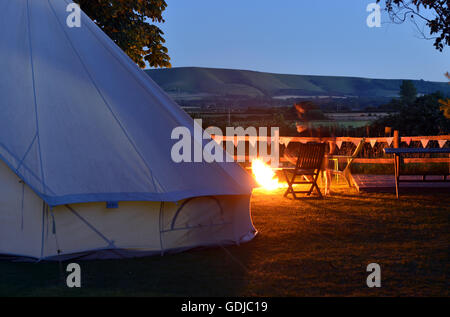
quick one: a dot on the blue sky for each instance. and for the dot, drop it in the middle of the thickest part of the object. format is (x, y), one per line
(321, 37)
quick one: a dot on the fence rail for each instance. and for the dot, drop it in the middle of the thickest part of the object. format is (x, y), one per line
(288, 139)
(424, 140)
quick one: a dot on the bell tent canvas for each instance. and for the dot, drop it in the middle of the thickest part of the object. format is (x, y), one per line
(85, 150)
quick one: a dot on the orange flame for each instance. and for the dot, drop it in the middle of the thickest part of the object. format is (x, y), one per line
(265, 176)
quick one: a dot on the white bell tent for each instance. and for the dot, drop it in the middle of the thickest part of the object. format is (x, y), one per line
(85, 150)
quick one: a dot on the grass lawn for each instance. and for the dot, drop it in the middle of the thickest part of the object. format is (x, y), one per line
(304, 248)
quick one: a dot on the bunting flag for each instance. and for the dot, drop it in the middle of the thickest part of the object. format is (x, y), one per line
(285, 141)
(373, 142)
(407, 140)
(442, 143)
(356, 141)
(338, 144)
(424, 142)
(389, 141)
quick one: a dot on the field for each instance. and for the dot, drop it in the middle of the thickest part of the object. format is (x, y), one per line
(304, 248)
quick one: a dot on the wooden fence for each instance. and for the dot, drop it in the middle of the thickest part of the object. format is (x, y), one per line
(442, 140)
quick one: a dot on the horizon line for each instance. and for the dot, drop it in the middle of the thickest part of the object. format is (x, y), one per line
(293, 74)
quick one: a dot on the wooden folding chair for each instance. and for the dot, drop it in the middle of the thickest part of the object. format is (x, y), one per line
(347, 170)
(308, 166)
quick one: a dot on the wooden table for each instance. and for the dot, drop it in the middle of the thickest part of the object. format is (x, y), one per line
(398, 152)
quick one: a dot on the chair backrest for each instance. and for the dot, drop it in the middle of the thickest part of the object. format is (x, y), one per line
(310, 156)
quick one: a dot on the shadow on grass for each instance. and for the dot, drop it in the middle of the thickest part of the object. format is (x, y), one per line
(207, 272)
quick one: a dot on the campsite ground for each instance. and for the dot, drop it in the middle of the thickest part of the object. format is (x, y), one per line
(304, 248)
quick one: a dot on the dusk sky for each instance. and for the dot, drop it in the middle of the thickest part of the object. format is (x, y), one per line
(324, 37)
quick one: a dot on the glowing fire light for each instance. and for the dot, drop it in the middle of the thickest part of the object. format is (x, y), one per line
(264, 175)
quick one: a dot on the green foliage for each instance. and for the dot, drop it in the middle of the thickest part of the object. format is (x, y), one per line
(423, 117)
(408, 92)
(434, 13)
(445, 104)
(393, 105)
(308, 111)
(127, 23)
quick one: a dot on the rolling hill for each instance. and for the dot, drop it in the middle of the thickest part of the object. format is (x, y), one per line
(185, 82)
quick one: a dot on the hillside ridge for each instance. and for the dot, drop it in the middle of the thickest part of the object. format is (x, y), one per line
(248, 83)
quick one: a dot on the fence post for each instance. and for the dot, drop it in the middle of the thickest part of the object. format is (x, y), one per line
(396, 160)
(387, 131)
(396, 139)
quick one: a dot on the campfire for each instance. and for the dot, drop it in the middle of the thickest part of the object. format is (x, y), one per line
(265, 176)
